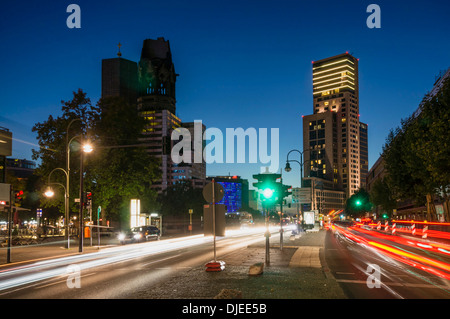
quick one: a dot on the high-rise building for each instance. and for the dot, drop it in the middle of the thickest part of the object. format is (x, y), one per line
(196, 170)
(334, 140)
(149, 85)
(120, 78)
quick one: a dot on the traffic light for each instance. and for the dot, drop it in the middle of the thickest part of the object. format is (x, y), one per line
(87, 200)
(18, 197)
(285, 191)
(270, 190)
(267, 186)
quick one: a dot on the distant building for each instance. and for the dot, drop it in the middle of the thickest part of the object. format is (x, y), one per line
(236, 192)
(195, 172)
(20, 168)
(120, 78)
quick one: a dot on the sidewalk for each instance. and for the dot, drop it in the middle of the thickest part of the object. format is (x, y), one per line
(298, 271)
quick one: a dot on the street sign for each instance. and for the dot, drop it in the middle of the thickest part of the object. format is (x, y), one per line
(5, 192)
(302, 195)
(208, 192)
(219, 220)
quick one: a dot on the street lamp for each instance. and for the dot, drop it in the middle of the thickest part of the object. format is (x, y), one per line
(288, 169)
(86, 148)
(49, 193)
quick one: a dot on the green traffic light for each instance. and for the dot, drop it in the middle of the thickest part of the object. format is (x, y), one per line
(268, 193)
(358, 203)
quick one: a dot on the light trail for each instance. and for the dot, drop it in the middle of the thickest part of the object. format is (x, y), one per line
(43, 270)
(426, 264)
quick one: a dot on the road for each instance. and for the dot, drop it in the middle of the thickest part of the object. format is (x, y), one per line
(409, 267)
(117, 272)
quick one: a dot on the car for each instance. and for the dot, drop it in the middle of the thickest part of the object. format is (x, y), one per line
(146, 233)
(125, 236)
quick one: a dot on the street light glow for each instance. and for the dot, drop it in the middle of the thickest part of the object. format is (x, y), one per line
(87, 148)
(49, 192)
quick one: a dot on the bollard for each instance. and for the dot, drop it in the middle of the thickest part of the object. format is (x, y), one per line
(424, 233)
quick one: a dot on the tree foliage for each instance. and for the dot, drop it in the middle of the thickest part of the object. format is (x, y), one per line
(381, 195)
(417, 154)
(177, 199)
(117, 170)
(358, 204)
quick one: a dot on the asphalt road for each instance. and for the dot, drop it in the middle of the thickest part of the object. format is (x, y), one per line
(416, 276)
(116, 272)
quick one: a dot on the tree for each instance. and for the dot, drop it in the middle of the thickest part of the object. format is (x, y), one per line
(121, 169)
(358, 203)
(381, 195)
(177, 199)
(51, 136)
(416, 154)
(118, 170)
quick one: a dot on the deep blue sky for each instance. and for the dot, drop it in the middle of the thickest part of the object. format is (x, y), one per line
(241, 63)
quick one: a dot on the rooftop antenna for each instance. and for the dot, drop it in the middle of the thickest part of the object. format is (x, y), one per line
(119, 54)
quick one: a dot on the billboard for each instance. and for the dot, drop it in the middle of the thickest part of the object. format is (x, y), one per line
(309, 218)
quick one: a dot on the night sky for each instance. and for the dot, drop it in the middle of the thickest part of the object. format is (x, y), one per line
(241, 63)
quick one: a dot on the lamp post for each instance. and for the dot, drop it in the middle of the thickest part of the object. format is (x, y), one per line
(288, 169)
(86, 148)
(49, 193)
(68, 177)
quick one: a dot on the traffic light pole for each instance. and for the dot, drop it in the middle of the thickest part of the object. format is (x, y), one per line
(8, 251)
(81, 235)
(267, 234)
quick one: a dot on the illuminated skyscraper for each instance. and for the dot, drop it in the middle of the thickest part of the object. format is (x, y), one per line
(335, 139)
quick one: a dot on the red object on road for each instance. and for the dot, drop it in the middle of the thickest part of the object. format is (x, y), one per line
(215, 266)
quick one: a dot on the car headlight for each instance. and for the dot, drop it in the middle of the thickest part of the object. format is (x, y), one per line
(121, 236)
(137, 236)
